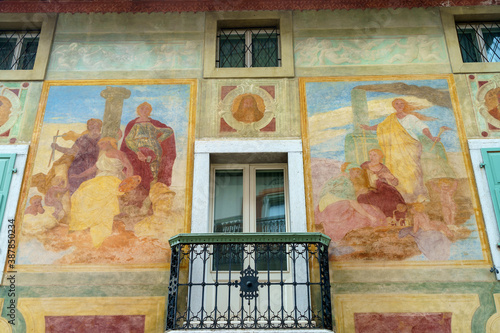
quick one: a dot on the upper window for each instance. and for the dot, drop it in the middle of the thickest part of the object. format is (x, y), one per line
(472, 37)
(25, 42)
(18, 49)
(250, 47)
(248, 44)
(479, 42)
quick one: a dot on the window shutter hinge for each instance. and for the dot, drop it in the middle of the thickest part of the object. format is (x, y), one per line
(482, 165)
(14, 170)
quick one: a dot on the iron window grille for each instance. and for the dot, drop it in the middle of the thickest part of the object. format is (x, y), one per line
(18, 49)
(479, 41)
(252, 47)
(249, 281)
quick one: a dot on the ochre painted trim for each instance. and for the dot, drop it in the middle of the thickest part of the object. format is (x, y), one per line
(493, 324)
(34, 310)
(462, 307)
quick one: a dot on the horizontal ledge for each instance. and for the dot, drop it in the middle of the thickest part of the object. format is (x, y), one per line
(250, 237)
(247, 146)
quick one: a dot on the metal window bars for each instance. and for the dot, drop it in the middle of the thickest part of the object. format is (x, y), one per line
(251, 47)
(18, 49)
(479, 41)
(249, 281)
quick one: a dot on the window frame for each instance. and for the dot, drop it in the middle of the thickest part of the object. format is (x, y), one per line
(249, 33)
(20, 36)
(21, 152)
(485, 199)
(200, 216)
(248, 19)
(476, 27)
(46, 23)
(455, 15)
(249, 221)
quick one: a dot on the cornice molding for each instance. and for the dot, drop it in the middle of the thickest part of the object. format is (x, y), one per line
(146, 6)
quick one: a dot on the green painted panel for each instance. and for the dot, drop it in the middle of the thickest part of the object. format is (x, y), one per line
(6, 167)
(491, 158)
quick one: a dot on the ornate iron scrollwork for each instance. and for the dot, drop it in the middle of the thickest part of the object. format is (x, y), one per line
(249, 283)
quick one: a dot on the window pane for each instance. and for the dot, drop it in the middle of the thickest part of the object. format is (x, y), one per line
(28, 53)
(492, 44)
(270, 217)
(231, 49)
(228, 201)
(265, 50)
(270, 201)
(468, 45)
(7, 46)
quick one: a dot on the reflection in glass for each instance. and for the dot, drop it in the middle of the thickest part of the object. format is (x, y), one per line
(228, 201)
(270, 201)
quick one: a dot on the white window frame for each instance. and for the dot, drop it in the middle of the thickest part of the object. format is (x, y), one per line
(475, 146)
(21, 152)
(201, 218)
(249, 220)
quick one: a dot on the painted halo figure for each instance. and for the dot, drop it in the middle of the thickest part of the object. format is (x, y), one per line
(150, 148)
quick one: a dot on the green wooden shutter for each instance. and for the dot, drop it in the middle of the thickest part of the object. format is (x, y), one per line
(6, 169)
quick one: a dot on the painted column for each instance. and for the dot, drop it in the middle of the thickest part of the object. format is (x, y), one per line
(359, 109)
(113, 110)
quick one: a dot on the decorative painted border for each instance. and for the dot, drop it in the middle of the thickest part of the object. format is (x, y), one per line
(34, 147)
(462, 306)
(35, 310)
(214, 5)
(465, 153)
(4, 324)
(493, 324)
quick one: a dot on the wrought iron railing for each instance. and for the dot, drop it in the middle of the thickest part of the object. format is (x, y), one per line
(249, 281)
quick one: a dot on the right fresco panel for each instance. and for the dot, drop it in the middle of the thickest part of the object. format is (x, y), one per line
(386, 169)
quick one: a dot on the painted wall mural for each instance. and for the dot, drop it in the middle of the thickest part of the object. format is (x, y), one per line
(131, 55)
(388, 176)
(18, 103)
(485, 94)
(260, 108)
(108, 182)
(247, 109)
(325, 52)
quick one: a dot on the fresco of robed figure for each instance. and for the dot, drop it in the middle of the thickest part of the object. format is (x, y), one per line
(104, 174)
(388, 175)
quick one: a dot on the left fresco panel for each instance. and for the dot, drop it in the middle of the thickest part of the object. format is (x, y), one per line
(110, 171)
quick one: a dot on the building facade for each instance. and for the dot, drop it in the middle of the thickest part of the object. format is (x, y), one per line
(369, 125)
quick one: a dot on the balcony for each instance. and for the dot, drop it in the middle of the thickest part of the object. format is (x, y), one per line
(259, 281)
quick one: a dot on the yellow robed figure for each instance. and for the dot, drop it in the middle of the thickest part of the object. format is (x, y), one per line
(402, 154)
